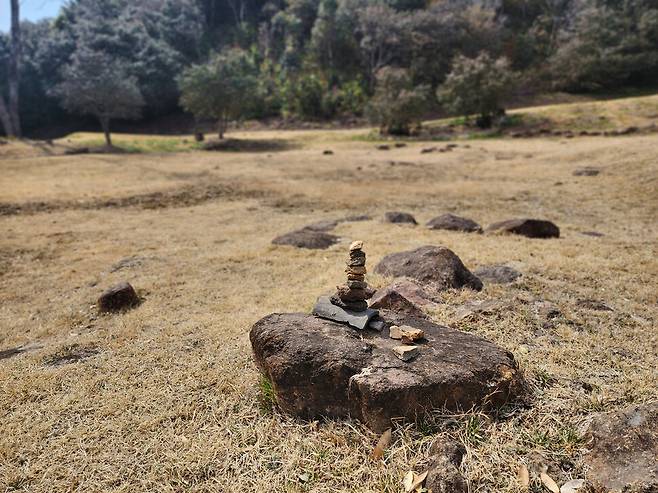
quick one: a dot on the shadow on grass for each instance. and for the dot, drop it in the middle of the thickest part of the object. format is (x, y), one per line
(249, 145)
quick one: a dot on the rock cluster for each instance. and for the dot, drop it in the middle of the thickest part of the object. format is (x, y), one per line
(353, 294)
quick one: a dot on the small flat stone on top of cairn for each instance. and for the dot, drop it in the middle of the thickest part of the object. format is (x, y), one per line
(348, 304)
(119, 297)
(307, 238)
(397, 217)
(451, 222)
(532, 228)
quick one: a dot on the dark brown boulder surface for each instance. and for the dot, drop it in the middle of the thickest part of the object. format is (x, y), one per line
(399, 218)
(437, 266)
(497, 274)
(306, 238)
(117, 298)
(405, 296)
(623, 450)
(532, 228)
(454, 223)
(319, 368)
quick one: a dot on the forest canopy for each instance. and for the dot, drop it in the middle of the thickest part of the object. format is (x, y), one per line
(320, 59)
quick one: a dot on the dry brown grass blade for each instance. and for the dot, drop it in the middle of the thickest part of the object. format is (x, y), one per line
(382, 444)
(549, 483)
(524, 476)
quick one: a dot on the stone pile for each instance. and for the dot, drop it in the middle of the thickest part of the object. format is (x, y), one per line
(353, 294)
(407, 336)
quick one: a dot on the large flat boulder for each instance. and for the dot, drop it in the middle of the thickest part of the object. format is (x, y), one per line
(319, 368)
(307, 238)
(435, 265)
(623, 455)
(452, 222)
(532, 228)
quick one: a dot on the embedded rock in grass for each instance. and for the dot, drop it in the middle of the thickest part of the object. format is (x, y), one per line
(532, 228)
(454, 223)
(117, 298)
(436, 266)
(497, 274)
(586, 171)
(444, 475)
(399, 218)
(306, 238)
(623, 447)
(323, 225)
(319, 367)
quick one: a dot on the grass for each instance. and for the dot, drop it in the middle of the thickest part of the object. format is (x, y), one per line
(166, 397)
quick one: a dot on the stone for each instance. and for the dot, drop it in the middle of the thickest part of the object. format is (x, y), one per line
(356, 261)
(586, 171)
(532, 228)
(406, 353)
(594, 234)
(399, 218)
(358, 319)
(356, 245)
(323, 225)
(403, 289)
(382, 147)
(400, 144)
(396, 302)
(307, 238)
(623, 447)
(595, 305)
(444, 475)
(454, 223)
(479, 307)
(437, 266)
(348, 294)
(352, 306)
(327, 152)
(359, 270)
(427, 150)
(395, 332)
(356, 284)
(320, 368)
(377, 325)
(119, 297)
(410, 334)
(497, 274)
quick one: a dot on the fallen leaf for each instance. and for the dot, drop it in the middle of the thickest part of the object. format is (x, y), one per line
(408, 481)
(524, 476)
(304, 477)
(419, 479)
(549, 483)
(382, 445)
(572, 486)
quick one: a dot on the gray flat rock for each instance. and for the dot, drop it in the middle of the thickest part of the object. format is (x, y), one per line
(324, 308)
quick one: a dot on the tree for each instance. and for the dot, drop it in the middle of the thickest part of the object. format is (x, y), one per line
(9, 111)
(94, 83)
(221, 89)
(397, 104)
(477, 86)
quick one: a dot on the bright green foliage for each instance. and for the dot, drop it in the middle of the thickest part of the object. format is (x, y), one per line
(477, 86)
(221, 89)
(397, 104)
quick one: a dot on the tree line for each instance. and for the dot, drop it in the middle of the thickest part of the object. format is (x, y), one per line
(316, 59)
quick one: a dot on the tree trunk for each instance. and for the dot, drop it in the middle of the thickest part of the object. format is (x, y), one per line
(5, 118)
(105, 123)
(14, 75)
(221, 126)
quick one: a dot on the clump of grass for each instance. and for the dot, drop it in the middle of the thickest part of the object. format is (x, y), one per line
(267, 396)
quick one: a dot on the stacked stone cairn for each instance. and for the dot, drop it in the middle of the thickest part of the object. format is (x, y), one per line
(353, 294)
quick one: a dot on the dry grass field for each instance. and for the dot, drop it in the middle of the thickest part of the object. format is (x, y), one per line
(166, 397)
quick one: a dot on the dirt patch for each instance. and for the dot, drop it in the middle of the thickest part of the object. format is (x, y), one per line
(71, 354)
(180, 197)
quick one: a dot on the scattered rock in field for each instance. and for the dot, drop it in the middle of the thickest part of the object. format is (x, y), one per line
(361, 320)
(199, 137)
(71, 354)
(586, 171)
(403, 296)
(327, 152)
(406, 353)
(399, 218)
(357, 218)
(479, 307)
(128, 263)
(118, 298)
(319, 368)
(532, 228)
(454, 223)
(306, 238)
(444, 475)
(324, 225)
(383, 147)
(497, 274)
(623, 447)
(427, 150)
(15, 351)
(628, 131)
(437, 266)
(353, 294)
(546, 310)
(400, 144)
(596, 305)
(594, 234)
